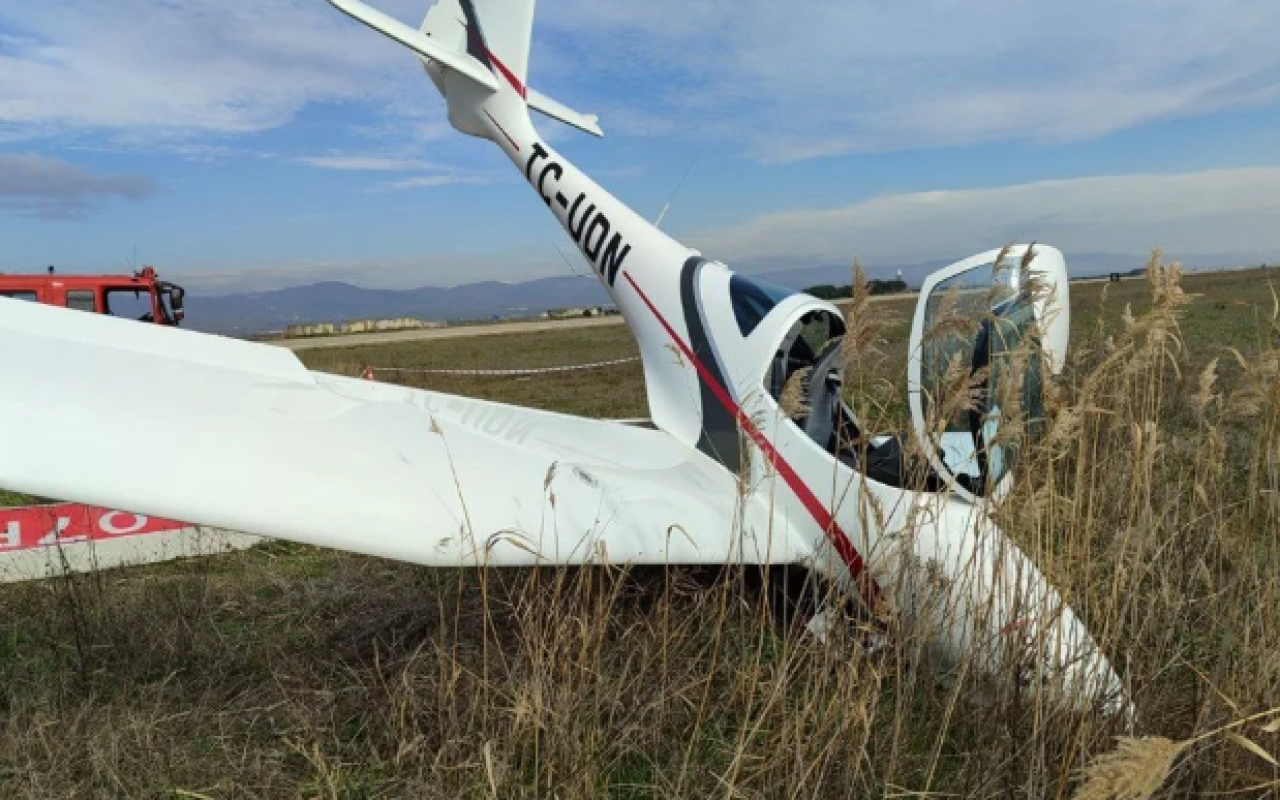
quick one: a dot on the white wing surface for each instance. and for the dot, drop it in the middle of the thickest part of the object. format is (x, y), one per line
(240, 436)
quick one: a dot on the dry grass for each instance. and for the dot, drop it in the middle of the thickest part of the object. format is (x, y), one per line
(1154, 504)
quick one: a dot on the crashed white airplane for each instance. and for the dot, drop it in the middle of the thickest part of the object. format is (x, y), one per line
(721, 474)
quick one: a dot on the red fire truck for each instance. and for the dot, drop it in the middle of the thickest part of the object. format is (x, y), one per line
(142, 296)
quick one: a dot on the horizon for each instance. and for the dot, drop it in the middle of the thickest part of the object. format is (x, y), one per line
(882, 273)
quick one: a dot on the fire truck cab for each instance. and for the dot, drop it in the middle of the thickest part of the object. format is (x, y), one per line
(141, 296)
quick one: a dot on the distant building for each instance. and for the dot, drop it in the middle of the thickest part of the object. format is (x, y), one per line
(577, 313)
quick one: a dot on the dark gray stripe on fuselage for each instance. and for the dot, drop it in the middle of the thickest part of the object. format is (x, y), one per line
(720, 437)
(476, 47)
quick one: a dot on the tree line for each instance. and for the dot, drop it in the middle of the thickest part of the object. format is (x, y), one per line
(826, 291)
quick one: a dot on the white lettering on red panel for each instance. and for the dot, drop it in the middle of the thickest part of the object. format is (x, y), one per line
(32, 527)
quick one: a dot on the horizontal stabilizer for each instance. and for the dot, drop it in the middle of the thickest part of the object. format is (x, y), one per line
(417, 41)
(556, 110)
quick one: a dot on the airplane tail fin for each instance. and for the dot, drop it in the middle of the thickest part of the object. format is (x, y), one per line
(473, 49)
(500, 43)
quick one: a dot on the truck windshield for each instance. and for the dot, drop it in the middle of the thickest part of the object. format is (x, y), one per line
(131, 303)
(171, 299)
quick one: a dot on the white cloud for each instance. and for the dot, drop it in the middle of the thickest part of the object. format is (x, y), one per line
(51, 188)
(437, 179)
(813, 77)
(1212, 218)
(362, 163)
(422, 174)
(147, 71)
(1218, 212)
(790, 80)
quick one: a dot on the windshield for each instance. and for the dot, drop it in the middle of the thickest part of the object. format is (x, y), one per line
(981, 373)
(170, 302)
(131, 303)
(753, 300)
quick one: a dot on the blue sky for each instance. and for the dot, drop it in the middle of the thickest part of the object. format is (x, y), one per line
(245, 146)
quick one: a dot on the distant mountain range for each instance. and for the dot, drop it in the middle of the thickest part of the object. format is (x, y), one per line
(334, 301)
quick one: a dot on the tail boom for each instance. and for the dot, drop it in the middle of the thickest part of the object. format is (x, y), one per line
(638, 264)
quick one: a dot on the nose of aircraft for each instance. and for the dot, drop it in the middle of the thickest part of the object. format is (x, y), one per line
(1074, 662)
(984, 602)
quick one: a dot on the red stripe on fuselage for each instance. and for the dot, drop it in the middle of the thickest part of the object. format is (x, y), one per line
(857, 566)
(515, 82)
(502, 130)
(506, 73)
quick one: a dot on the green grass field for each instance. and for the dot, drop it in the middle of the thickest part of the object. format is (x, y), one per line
(288, 671)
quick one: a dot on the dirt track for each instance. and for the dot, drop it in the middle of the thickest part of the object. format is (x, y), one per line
(453, 332)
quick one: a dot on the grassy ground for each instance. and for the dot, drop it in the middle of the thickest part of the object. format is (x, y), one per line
(293, 672)
(616, 392)
(13, 499)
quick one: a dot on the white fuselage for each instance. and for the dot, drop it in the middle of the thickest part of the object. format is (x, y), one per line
(938, 556)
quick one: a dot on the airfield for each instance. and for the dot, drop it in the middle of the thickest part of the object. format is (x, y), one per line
(465, 330)
(1225, 310)
(289, 671)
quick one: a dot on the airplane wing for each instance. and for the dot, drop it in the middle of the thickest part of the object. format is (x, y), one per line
(240, 436)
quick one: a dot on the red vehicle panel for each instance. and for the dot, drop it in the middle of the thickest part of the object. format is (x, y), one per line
(142, 296)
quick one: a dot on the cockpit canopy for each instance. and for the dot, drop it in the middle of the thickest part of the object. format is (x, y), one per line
(979, 385)
(978, 354)
(752, 300)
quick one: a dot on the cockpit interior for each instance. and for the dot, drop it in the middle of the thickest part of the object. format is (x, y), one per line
(968, 452)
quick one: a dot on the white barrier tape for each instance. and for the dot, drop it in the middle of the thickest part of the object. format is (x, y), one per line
(369, 372)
